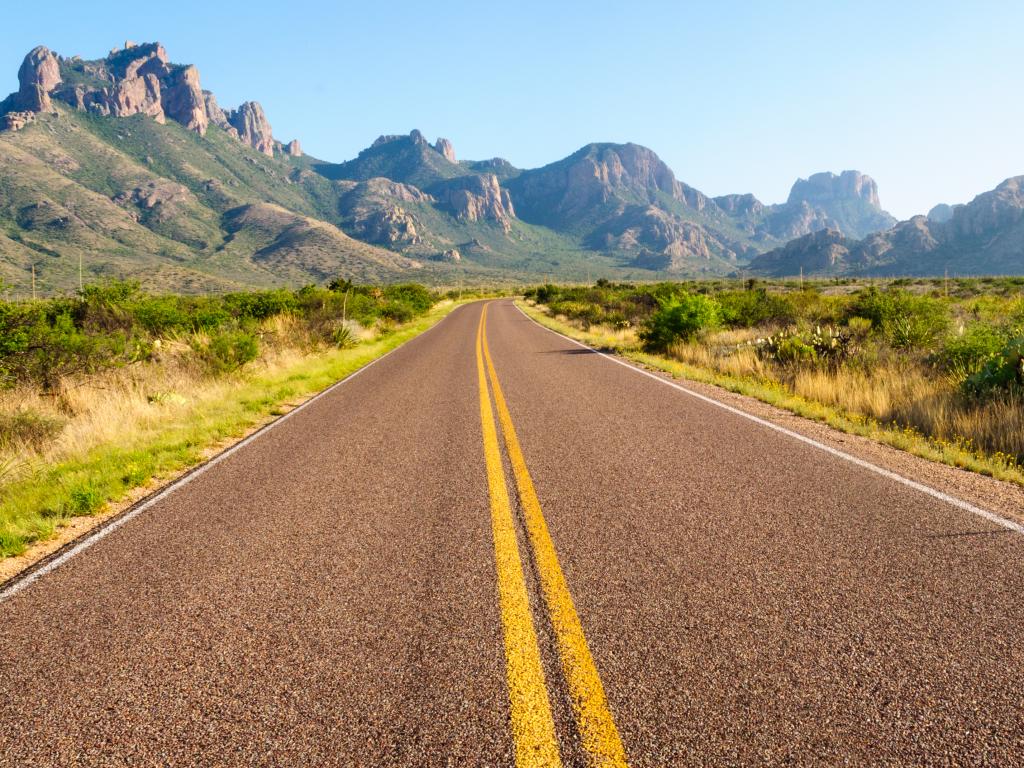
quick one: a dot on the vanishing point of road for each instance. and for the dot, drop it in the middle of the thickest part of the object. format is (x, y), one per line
(496, 547)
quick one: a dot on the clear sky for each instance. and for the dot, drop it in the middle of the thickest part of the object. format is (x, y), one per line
(927, 97)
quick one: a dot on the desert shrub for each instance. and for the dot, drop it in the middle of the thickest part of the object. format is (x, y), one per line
(747, 309)
(227, 350)
(678, 318)
(786, 348)
(832, 346)
(1003, 372)
(964, 354)
(416, 297)
(259, 305)
(906, 320)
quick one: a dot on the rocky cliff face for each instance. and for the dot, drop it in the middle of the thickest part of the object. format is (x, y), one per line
(477, 198)
(849, 202)
(137, 79)
(184, 101)
(825, 188)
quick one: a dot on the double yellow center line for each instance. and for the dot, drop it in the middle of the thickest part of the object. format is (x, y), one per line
(533, 727)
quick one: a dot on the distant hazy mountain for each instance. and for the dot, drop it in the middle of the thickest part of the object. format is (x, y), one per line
(127, 164)
(983, 237)
(847, 203)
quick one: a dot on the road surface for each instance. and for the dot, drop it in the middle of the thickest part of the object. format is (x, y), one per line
(495, 547)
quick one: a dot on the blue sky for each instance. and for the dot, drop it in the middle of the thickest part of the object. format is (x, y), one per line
(736, 96)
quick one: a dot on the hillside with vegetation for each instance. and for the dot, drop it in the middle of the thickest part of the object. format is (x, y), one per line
(123, 166)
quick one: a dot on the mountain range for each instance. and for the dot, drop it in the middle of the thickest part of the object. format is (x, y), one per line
(124, 166)
(982, 237)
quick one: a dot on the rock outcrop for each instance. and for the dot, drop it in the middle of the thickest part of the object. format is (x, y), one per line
(657, 239)
(136, 79)
(40, 68)
(375, 211)
(446, 149)
(132, 96)
(253, 127)
(184, 102)
(38, 75)
(293, 148)
(940, 213)
(477, 198)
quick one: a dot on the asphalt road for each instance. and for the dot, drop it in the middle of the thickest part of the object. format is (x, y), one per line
(494, 547)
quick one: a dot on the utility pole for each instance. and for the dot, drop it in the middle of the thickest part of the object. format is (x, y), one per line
(33, 281)
(801, 278)
(81, 284)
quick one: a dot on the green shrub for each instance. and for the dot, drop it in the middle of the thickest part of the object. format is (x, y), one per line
(906, 320)
(747, 309)
(228, 351)
(966, 353)
(1001, 373)
(678, 318)
(416, 297)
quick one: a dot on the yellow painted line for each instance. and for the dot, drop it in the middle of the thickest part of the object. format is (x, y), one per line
(600, 737)
(533, 728)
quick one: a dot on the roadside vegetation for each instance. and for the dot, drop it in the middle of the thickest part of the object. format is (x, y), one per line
(106, 391)
(935, 367)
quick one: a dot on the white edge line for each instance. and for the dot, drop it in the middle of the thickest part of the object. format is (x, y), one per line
(992, 517)
(105, 530)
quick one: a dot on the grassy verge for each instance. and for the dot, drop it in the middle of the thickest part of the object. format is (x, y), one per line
(174, 435)
(623, 344)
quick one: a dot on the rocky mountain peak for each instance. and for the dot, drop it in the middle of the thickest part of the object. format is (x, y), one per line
(740, 205)
(253, 127)
(40, 68)
(826, 187)
(446, 149)
(136, 79)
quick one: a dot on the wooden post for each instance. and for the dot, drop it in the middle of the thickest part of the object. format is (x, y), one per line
(33, 281)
